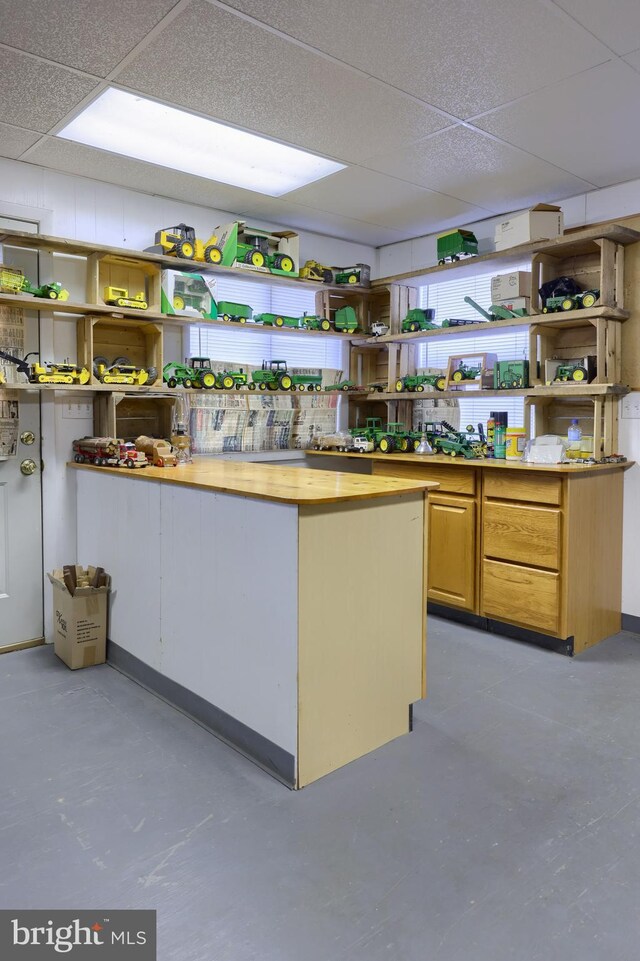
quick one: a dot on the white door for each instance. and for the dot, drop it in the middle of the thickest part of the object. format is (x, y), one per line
(21, 585)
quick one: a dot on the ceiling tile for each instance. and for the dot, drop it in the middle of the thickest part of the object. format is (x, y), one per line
(286, 93)
(617, 25)
(583, 124)
(81, 33)
(40, 94)
(377, 199)
(460, 57)
(14, 140)
(479, 170)
(633, 59)
(84, 161)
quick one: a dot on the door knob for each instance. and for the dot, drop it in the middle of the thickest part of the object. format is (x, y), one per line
(27, 437)
(28, 467)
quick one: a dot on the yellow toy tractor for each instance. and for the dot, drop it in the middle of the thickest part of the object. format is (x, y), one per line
(181, 241)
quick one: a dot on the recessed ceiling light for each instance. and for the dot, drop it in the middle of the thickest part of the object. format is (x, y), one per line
(133, 126)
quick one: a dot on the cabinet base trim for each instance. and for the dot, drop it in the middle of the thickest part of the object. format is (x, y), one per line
(269, 756)
(560, 646)
(631, 622)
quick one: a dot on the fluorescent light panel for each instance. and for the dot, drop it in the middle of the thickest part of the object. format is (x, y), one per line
(146, 130)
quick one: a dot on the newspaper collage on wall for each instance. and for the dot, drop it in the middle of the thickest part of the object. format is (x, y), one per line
(12, 342)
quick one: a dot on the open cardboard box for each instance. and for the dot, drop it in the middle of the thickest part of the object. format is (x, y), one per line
(80, 619)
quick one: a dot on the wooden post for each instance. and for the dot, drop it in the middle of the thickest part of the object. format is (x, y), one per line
(607, 272)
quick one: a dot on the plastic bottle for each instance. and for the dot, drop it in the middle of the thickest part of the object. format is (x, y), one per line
(574, 436)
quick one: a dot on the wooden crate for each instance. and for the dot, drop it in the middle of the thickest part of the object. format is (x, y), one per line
(597, 416)
(598, 264)
(138, 340)
(129, 415)
(105, 270)
(597, 336)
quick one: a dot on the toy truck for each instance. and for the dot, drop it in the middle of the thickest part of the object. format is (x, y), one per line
(385, 439)
(418, 319)
(346, 320)
(158, 452)
(108, 452)
(277, 320)
(378, 329)
(510, 374)
(238, 313)
(456, 244)
(312, 270)
(119, 297)
(418, 382)
(196, 372)
(181, 241)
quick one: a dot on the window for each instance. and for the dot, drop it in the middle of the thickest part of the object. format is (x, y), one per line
(261, 421)
(507, 343)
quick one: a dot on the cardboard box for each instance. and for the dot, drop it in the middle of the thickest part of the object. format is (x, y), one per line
(239, 243)
(542, 222)
(515, 303)
(507, 286)
(80, 621)
(185, 294)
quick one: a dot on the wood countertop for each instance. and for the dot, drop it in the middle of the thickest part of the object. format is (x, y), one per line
(486, 463)
(286, 485)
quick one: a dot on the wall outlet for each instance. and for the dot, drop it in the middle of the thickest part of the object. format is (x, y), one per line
(631, 405)
(81, 411)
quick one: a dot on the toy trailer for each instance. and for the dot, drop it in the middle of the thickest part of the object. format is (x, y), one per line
(418, 382)
(277, 320)
(456, 244)
(238, 313)
(307, 381)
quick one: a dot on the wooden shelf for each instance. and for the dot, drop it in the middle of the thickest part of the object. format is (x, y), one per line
(574, 243)
(124, 255)
(39, 304)
(565, 320)
(158, 390)
(568, 390)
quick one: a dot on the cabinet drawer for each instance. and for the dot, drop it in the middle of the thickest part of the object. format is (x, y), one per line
(515, 486)
(522, 533)
(452, 480)
(521, 595)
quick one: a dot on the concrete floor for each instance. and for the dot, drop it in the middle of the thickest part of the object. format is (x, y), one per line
(505, 828)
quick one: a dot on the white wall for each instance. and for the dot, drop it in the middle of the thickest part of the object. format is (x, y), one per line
(84, 209)
(599, 205)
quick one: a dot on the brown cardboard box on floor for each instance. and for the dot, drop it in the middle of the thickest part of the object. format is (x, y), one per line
(80, 620)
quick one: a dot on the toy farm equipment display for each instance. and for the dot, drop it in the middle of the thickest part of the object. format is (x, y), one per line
(53, 373)
(158, 452)
(273, 375)
(345, 320)
(195, 372)
(418, 382)
(119, 372)
(418, 319)
(456, 244)
(273, 251)
(496, 311)
(108, 452)
(358, 274)
(13, 281)
(238, 313)
(277, 320)
(181, 241)
(566, 372)
(510, 374)
(312, 270)
(119, 297)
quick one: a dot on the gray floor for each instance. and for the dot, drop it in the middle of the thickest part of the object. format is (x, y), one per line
(505, 828)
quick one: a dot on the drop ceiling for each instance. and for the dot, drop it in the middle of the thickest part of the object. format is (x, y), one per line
(444, 113)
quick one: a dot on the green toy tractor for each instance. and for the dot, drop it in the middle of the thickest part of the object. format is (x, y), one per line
(418, 382)
(230, 379)
(273, 375)
(573, 372)
(195, 373)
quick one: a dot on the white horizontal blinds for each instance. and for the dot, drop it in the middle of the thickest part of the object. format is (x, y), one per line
(507, 343)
